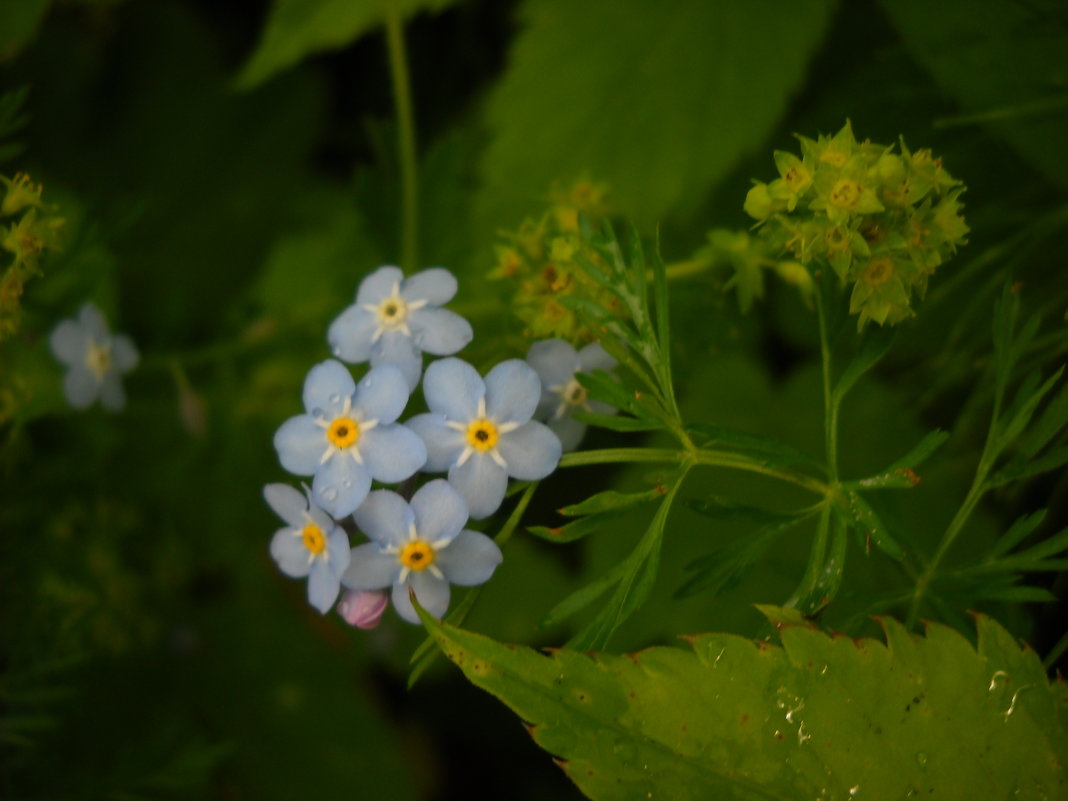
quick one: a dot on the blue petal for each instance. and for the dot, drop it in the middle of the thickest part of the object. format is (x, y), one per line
(433, 595)
(513, 390)
(323, 587)
(594, 357)
(443, 444)
(392, 453)
(453, 388)
(300, 444)
(337, 548)
(378, 285)
(327, 386)
(555, 362)
(124, 353)
(318, 516)
(532, 451)
(469, 559)
(288, 503)
(397, 348)
(371, 568)
(92, 321)
(340, 485)
(81, 387)
(112, 393)
(569, 431)
(481, 482)
(382, 394)
(439, 332)
(385, 518)
(439, 511)
(435, 285)
(69, 343)
(287, 549)
(350, 334)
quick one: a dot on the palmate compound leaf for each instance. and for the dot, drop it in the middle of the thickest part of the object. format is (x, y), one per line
(818, 717)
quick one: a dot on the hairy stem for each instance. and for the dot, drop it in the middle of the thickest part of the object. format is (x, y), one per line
(402, 97)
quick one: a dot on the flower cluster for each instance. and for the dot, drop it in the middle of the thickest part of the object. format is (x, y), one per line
(31, 227)
(479, 432)
(881, 221)
(543, 257)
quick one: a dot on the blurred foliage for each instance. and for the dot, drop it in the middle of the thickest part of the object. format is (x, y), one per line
(150, 648)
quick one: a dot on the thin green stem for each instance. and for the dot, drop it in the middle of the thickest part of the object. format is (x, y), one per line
(830, 401)
(701, 456)
(402, 97)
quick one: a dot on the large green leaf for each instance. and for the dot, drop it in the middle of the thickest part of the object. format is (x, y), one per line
(658, 100)
(817, 717)
(1004, 62)
(297, 28)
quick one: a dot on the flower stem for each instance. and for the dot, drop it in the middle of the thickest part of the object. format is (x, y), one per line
(830, 401)
(702, 456)
(402, 97)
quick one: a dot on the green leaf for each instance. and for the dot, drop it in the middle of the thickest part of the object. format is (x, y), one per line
(296, 29)
(616, 422)
(610, 501)
(738, 719)
(576, 529)
(604, 387)
(876, 344)
(900, 475)
(868, 522)
(772, 450)
(1017, 533)
(12, 119)
(1022, 411)
(965, 44)
(717, 571)
(1018, 471)
(640, 95)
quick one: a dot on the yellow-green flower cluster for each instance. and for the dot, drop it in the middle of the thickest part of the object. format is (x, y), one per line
(27, 228)
(543, 258)
(882, 221)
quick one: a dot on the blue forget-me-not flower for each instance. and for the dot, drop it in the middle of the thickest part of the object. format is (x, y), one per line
(422, 545)
(311, 545)
(350, 435)
(481, 432)
(556, 364)
(95, 358)
(396, 319)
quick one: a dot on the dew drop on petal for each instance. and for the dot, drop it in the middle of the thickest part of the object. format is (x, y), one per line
(329, 494)
(346, 483)
(337, 352)
(335, 398)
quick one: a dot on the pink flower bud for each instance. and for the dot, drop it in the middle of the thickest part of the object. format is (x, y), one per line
(362, 609)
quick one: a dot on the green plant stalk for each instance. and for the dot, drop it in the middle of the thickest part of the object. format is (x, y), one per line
(830, 401)
(703, 456)
(402, 97)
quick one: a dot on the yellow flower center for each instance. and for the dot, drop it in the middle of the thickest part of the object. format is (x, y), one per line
(836, 239)
(313, 538)
(98, 359)
(392, 312)
(845, 194)
(482, 435)
(797, 178)
(417, 555)
(833, 157)
(343, 432)
(879, 271)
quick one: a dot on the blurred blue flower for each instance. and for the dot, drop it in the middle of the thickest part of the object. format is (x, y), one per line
(556, 364)
(422, 546)
(95, 360)
(396, 319)
(350, 435)
(310, 545)
(481, 431)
